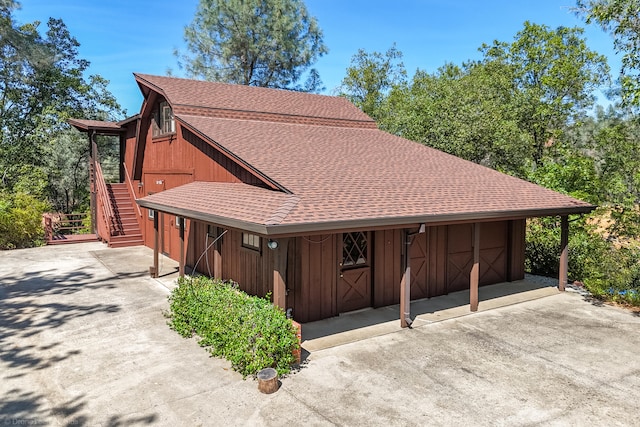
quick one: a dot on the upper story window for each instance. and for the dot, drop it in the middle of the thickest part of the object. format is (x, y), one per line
(163, 122)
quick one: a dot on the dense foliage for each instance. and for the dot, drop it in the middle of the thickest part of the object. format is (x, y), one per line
(269, 43)
(621, 18)
(20, 220)
(248, 331)
(42, 84)
(526, 109)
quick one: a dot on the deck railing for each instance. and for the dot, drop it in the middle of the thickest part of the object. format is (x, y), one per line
(130, 188)
(58, 224)
(103, 199)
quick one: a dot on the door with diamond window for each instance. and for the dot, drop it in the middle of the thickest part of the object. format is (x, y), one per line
(354, 284)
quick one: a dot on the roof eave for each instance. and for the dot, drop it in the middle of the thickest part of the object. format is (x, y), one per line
(410, 221)
(102, 130)
(368, 223)
(201, 216)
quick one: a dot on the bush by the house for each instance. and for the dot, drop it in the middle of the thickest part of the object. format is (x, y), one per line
(20, 220)
(246, 330)
(608, 270)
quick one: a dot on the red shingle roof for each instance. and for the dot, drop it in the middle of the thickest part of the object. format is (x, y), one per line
(223, 200)
(195, 96)
(340, 176)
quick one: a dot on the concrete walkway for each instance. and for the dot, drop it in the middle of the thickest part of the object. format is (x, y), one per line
(83, 341)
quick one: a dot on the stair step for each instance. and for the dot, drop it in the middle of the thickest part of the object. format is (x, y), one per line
(130, 236)
(126, 213)
(125, 220)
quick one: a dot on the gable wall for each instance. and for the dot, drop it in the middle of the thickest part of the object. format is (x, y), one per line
(173, 160)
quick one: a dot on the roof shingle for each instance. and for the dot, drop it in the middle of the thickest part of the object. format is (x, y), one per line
(339, 176)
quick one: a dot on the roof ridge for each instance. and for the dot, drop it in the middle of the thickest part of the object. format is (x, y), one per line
(262, 88)
(281, 213)
(259, 116)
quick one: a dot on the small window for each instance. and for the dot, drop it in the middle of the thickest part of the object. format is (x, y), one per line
(179, 219)
(163, 121)
(251, 241)
(354, 249)
(152, 214)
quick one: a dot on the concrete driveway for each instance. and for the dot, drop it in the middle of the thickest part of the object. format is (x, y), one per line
(85, 345)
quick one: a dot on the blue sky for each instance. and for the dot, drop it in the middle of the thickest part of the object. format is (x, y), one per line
(120, 37)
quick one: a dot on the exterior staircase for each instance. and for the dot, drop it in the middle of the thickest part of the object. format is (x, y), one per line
(126, 229)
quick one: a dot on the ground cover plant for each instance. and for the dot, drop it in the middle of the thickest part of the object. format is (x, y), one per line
(246, 330)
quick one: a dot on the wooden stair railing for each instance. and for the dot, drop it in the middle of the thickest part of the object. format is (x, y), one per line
(130, 187)
(103, 197)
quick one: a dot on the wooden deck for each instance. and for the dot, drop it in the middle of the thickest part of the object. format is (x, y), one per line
(72, 238)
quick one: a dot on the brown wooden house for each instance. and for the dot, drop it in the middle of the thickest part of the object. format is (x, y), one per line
(302, 195)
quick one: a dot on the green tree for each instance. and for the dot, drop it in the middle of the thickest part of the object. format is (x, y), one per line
(621, 18)
(370, 77)
(465, 111)
(269, 43)
(42, 84)
(555, 75)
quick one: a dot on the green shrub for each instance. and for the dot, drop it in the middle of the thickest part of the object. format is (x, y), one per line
(248, 331)
(21, 220)
(608, 271)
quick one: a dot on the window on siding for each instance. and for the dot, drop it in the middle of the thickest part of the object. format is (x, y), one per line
(151, 214)
(179, 219)
(163, 122)
(251, 241)
(354, 249)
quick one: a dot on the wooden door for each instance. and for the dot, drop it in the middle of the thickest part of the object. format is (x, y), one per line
(418, 257)
(459, 256)
(493, 252)
(354, 283)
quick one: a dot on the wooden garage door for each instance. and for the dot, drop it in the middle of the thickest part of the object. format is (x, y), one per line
(493, 252)
(418, 260)
(459, 256)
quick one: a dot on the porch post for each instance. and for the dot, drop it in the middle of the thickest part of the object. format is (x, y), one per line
(475, 270)
(405, 284)
(92, 183)
(181, 263)
(156, 244)
(280, 274)
(564, 252)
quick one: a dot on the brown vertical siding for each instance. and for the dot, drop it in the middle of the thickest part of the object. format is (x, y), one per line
(155, 181)
(387, 268)
(177, 159)
(459, 256)
(293, 273)
(315, 291)
(437, 269)
(493, 252)
(252, 270)
(214, 165)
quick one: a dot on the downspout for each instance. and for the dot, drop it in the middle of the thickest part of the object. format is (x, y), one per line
(405, 285)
